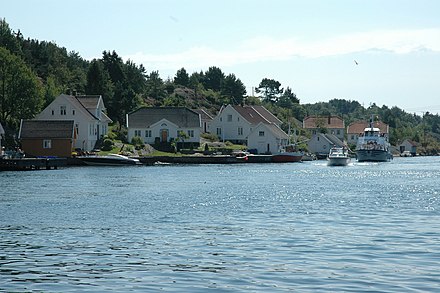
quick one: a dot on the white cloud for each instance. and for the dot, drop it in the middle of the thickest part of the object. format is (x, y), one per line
(269, 49)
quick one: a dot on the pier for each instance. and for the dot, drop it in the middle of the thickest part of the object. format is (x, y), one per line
(24, 164)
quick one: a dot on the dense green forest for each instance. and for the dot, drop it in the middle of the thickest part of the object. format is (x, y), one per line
(33, 73)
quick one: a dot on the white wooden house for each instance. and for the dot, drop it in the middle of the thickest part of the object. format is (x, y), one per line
(88, 114)
(235, 123)
(321, 143)
(163, 124)
(267, 139)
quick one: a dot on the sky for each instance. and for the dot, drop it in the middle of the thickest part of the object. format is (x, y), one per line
(385, 52)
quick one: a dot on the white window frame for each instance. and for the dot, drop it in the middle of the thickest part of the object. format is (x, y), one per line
(47, 143)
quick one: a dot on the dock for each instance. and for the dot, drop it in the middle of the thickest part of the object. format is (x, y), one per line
(25, 164)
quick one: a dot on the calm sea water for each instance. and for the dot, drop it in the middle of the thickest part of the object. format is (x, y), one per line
(302, 227)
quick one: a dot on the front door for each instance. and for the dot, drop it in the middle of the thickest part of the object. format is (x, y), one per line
(164, 135)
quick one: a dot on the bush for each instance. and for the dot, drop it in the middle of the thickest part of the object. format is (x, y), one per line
(107, 145)
(209, 136)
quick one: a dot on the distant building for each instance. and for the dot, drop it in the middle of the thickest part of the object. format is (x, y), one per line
(355, 129)
(163, 124)
(327, 131)
(325, 124)
(235, 123)
(47, 137)
(267, 138)
(408, 145)
(88, 114)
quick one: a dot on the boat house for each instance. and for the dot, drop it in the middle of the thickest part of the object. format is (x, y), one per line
(48, 138)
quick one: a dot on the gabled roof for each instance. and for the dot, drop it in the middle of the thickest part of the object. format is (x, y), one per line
(203, 114)
(359, 127)
(89, 102)
(256, 114)
(413, 143)
(87, 105)
(276, 130)
(50, 129)
(312, 122)
(181, 116)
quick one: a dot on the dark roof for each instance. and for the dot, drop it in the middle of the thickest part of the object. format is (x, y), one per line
(312, 122)
(89, 102)
(256, 114)
(181, 116)
(203, 114)
(47, 129)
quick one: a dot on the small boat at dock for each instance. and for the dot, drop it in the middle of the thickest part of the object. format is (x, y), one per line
(288, 153)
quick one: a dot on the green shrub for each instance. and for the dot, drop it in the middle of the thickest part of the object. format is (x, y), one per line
(107, 145)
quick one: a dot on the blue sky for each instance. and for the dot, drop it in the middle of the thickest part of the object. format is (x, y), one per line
(309, 46)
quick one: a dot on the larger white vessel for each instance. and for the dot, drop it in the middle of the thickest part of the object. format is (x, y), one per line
(373, 146)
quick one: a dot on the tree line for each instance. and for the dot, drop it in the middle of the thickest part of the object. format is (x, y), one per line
(33, 73)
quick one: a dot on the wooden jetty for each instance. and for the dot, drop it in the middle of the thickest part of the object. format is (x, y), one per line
(23, 164)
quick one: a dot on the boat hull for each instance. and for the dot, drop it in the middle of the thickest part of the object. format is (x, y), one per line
(373, 156)
(105, 161)
(286, 158)
(340, 161)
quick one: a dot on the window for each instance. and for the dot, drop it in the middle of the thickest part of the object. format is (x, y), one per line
(219, 131)
(229, 118)
(137, 133)
(77, 129)
(53, 112)
(147, 133)
(62, 110)
(240, 130)
(73, 112)
(261, 133)
(47, 144)
(338, 132)
(191, 133)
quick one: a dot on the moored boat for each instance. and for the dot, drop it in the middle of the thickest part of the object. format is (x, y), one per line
(338, 157)
(287, 154)
(373, 146)
(109, 160)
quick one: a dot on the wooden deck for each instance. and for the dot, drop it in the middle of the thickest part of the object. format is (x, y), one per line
(24, 164)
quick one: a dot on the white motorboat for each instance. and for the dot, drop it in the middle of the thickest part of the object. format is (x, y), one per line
(109, 160)
(338, 157)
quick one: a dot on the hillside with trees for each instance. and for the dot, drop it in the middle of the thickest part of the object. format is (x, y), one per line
(33, 73)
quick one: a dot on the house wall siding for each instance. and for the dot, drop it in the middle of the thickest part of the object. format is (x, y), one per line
(59, 147)
(261, 143)
(87, 127)
(229, 129)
